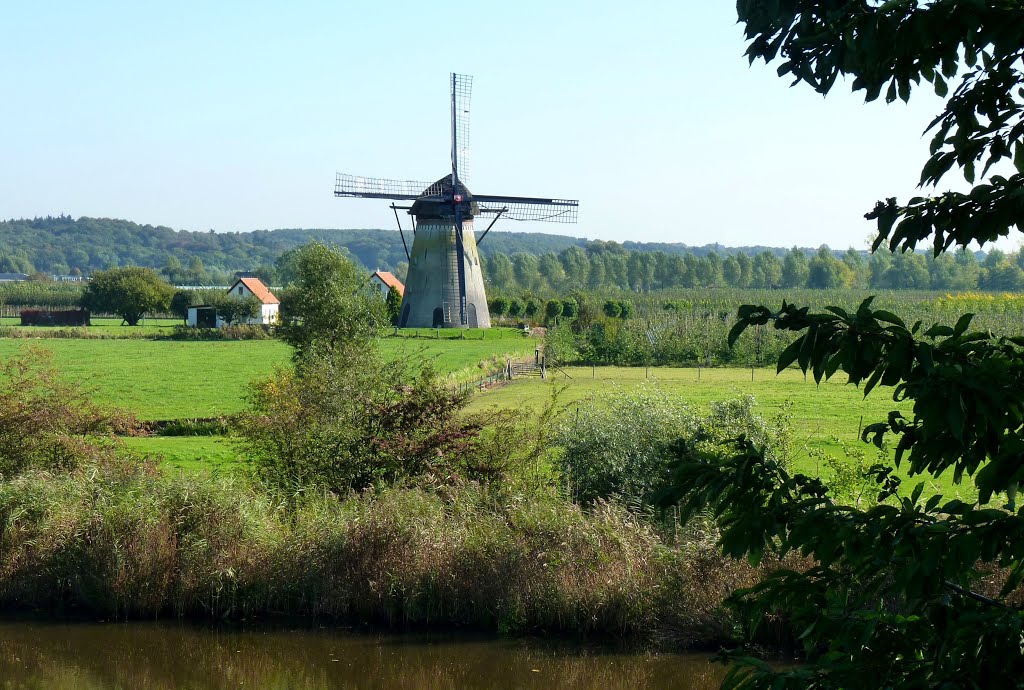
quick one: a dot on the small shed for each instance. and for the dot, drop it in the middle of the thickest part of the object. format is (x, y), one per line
(254, 287)
(383, 281)
(203, 316)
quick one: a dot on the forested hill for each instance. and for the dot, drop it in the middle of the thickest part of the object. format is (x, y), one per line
(63, 244)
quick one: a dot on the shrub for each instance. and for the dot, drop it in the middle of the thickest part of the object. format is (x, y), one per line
(47, 422)
(124, 540)
(235, 332)
(621, 445)
(344, 419)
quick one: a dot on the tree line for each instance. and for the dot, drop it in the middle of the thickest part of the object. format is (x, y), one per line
(603, 266)
(513, 261)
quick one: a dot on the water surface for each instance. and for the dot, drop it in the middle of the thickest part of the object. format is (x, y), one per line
(142, 656)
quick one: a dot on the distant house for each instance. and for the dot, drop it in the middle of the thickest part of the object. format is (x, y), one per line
(13, 277)
(254, 287)
(383, 281)
(205, 316)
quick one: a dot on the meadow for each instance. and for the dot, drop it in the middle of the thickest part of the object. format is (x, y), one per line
(168, 379)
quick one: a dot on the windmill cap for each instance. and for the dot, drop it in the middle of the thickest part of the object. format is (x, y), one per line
(429, 209)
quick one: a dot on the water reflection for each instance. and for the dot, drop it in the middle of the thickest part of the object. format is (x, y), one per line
(170, 657)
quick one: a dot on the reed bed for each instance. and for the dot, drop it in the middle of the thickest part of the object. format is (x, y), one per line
(120, 539)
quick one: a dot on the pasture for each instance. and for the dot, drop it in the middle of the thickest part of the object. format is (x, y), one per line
(169, 379)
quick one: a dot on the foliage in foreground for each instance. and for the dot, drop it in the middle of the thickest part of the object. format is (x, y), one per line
(49, 423)
(895, 598)
(931, 582)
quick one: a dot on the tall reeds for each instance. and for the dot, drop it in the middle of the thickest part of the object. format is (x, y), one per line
(123, 540)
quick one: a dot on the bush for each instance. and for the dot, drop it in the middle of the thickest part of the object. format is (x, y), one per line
(236, 332)
(560, 345)
(343, 419)
(621, 445)
(49, 423)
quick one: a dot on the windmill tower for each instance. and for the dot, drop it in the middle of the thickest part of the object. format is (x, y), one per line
(445, 285)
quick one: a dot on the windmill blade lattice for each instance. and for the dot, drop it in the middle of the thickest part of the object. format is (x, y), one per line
(519, 208)
(382, 187)
(462, 91)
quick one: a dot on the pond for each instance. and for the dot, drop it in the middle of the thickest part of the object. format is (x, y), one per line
(151, 656)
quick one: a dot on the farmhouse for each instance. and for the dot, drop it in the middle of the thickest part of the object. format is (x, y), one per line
(205, 316)
(383, 281)
(254, 287)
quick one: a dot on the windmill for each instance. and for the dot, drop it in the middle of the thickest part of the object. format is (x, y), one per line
(445, 286)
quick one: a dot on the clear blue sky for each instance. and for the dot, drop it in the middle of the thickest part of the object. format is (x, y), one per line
(236, 115)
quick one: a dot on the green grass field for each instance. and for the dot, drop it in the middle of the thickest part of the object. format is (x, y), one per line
(106, 327)
(190, 453)
(166, 379)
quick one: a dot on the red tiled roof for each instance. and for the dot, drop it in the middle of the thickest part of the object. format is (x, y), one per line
(256, 287)
(391, 281)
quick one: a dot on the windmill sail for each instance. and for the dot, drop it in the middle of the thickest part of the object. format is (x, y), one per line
(462, 90)
(382, 187)
(530, 209)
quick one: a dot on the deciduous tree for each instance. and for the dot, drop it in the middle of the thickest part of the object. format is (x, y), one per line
(327, 303)
(917, 590)
(129, 292)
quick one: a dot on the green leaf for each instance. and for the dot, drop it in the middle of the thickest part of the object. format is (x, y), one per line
(789, 355)
(889, 317)
(962, 324)
(736, 331)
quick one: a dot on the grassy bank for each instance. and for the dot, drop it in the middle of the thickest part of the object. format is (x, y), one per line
(125, 540)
